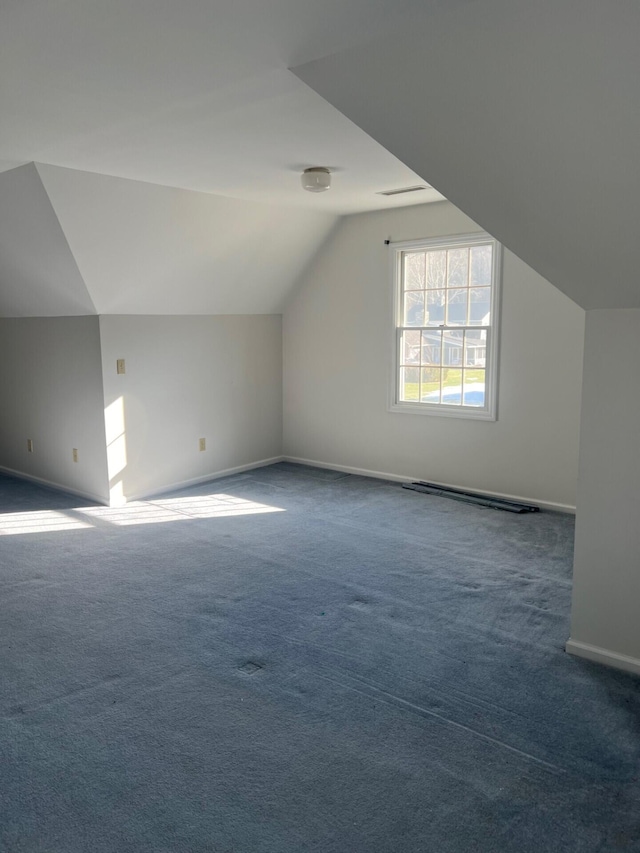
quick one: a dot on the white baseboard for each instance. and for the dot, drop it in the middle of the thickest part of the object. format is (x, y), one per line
(50, 484)
(205, 478)
(408, 478)
(605, 656)
(261, 463)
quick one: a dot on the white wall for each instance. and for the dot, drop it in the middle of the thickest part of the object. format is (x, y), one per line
(337, 359)
(51, 391)
(187, 377)
(606, 582)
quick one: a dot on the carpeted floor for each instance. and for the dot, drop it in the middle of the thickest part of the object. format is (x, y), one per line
(295, 660)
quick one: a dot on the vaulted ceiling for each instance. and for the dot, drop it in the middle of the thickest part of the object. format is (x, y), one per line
(194, 94)
(78, 243)
(151, 151)
(38, 273)
(525, 115)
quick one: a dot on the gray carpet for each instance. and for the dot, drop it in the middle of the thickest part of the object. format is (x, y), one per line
(369, 670)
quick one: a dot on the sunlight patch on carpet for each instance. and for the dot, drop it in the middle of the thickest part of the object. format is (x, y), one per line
(136, 512)
(43, 521)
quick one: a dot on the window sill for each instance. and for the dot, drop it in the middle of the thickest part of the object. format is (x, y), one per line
(472, 413)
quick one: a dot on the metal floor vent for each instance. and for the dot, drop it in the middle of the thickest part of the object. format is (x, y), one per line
(471, 497)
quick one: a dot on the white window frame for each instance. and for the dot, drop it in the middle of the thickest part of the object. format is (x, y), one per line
(488, 412)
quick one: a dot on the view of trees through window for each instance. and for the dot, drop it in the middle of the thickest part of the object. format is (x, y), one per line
(445, 323)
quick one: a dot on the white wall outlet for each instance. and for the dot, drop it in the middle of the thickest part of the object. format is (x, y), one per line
(29, 445)
(203, 444)
(75, 454)
(120, 365)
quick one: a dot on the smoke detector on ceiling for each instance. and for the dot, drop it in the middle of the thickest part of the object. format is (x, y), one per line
(316, 179)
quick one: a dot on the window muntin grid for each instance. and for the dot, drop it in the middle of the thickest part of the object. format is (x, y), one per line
(445, 325)
(437, 364)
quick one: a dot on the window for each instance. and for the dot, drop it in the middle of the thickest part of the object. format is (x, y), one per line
(446, 298)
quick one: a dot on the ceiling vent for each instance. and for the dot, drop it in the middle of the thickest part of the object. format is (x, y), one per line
(403, 190)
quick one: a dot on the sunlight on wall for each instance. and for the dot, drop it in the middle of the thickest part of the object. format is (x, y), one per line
(116, 449)
(137, 512)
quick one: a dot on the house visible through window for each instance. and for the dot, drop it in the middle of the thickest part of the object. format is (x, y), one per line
(446, 326)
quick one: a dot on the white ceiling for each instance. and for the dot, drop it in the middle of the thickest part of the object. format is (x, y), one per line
(195, 94)
(39, 276)
(73, 242)
(144, 249)
(527, 116)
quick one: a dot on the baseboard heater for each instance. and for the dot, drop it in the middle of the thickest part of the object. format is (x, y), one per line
(470, 497)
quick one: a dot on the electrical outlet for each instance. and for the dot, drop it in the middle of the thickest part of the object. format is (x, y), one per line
(29, 445)
(75, 454)
(203, 444)
(120, 365)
